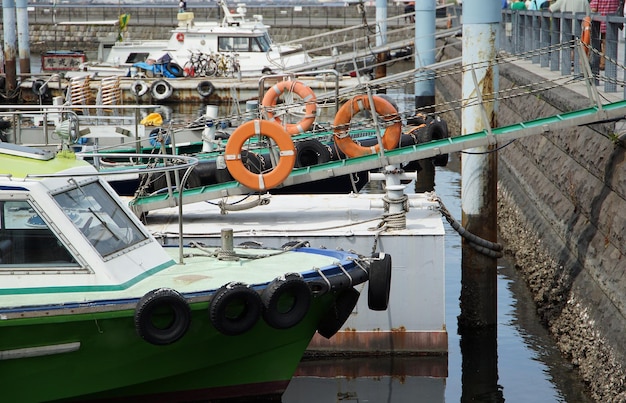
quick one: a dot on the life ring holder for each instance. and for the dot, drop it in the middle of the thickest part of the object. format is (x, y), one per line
(379, 285)
(286, 301)
(392, 134)
(154, 301)
(180, 37)
(161, 90)
(139, 88)
(260, 181)
(235, 294)
(303, 91)
(205, 88)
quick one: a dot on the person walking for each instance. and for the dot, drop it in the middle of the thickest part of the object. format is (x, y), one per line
(571, 6)
(604, 7)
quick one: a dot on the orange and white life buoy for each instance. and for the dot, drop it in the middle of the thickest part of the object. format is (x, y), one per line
(384, 108)
(300, 89)
(180, 37)
(260, 181)
(585, 37)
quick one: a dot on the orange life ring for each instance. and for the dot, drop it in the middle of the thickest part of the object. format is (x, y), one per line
(392, 134)
(585, 37)
(180, 37)
(304, 92)
(261, 181)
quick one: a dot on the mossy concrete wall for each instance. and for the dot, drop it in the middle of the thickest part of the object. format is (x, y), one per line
(562, 216)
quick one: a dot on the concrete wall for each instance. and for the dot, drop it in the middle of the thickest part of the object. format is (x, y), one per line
(562, 216)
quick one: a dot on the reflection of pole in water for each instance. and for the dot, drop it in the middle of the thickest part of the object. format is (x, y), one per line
(425, 177)
(479, 349)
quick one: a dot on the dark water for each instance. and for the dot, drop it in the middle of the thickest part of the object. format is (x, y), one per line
(519, 364)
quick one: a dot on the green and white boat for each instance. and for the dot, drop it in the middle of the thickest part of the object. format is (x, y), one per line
(92, 307)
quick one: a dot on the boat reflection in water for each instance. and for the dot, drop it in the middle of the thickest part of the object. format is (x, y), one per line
(386, 378)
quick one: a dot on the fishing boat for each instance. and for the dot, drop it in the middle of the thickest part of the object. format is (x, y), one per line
(246, 41)
(93, 307)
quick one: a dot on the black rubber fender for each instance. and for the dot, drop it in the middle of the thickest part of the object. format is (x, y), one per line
(286, 301)
(39, 87)
(175, 69)
(235, 309)
(162, 316)
(205, 88)
(139, 88)
(161, 90)
(379, 285)
(311, 152)
(438, 130)
(338, 313)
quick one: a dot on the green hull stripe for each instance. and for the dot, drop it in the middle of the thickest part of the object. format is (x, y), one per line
(88, 288)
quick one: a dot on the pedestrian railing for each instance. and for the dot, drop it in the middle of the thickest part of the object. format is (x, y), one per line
(550, 40)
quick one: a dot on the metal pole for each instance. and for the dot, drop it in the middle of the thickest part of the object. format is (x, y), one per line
(381, 39)
(10, 42)
(425, 54)
(481, 20)
(22, 35)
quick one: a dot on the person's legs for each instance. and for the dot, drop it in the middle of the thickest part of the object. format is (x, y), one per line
(603, 36)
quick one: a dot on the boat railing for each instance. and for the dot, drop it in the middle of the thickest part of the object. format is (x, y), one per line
(48, 119)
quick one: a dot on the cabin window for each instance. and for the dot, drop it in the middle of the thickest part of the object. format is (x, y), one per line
(27, 241)
(98, 216)
(242, 44)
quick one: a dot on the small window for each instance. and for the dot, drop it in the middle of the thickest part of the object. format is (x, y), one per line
(27, 241)
(98, 216)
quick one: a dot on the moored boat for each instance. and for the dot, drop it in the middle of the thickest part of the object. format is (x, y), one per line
(93, 307)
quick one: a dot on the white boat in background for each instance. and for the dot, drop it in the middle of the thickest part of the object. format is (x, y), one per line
(247, 39)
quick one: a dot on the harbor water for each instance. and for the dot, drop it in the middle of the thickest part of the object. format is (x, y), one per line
(518, 363)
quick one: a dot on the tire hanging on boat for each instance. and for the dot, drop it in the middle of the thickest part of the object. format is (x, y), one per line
(174, 69)
(379, 285)
(39, 87)
(308, 97)
(347, 145)
(234, 309)
(161, 90)
(311, 152)
(338, 313)
(139, 88)
(286, 301)
(260, 181)
(205, 88)
(438, 130)
(162, 316)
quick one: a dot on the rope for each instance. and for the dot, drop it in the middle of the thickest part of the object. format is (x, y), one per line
(481, 245)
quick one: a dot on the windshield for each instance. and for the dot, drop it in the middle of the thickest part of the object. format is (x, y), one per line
(92, 209)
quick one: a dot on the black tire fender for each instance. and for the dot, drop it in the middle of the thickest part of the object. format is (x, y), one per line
(379, 285)
(338, 313)
(311, 152)
(205, 88)
(234, 309)
(152, 310)
(161, 90)
(286, 301)
(438, 130)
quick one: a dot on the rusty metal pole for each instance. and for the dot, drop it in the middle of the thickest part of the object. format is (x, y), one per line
(425, 54)
(381, 40)
(22, 35)
(481, 24)
(10, 42)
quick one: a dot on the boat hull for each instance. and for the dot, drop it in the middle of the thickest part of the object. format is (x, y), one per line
(109, 360)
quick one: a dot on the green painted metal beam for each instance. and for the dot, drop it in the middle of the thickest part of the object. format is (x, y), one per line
(431, 149)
